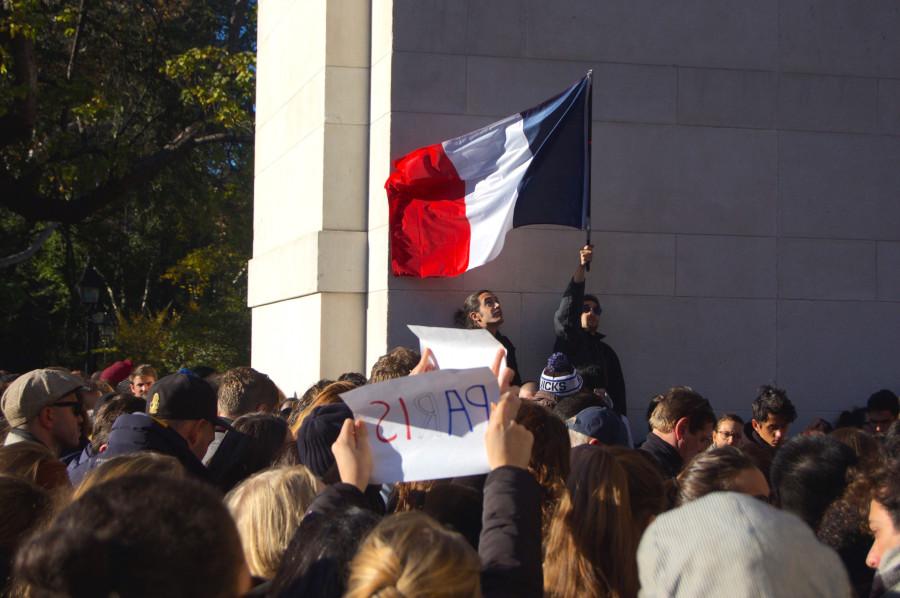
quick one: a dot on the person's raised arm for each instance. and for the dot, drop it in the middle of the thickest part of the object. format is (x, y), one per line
(568, 314)
(585, 255)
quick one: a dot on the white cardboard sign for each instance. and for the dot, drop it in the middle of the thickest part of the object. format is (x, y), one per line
(429, 426)
(458, 348)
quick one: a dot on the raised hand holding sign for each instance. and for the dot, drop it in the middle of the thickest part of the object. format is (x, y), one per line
(427, 426)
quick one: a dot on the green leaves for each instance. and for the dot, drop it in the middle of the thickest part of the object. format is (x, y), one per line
(220, 83)
(91, 104)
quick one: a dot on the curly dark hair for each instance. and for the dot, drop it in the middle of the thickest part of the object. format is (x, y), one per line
(773, 401)
(886, 489)
(845, 527)
(891, 446)
(396, 363)
(867, 449)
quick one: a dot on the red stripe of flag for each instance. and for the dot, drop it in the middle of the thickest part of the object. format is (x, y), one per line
(429, 233)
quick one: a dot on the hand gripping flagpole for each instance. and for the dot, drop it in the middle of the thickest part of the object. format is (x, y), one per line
(588, 120)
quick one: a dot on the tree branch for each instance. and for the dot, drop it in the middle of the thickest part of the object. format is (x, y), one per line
(146, 294)
(109, 291)
(79, 27)
(236, 23)
(21, 195)
(16, 258)
(223, 138)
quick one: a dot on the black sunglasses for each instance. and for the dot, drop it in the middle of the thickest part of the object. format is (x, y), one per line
(586, 309)
(77, 408)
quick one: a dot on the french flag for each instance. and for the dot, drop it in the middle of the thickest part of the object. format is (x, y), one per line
(452, 203)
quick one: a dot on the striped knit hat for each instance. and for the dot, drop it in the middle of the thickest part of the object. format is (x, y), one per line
(559, 377)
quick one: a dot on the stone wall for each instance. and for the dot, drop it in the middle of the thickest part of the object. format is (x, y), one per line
(746, 185)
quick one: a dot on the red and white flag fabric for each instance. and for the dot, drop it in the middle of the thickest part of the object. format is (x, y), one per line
(452, 203)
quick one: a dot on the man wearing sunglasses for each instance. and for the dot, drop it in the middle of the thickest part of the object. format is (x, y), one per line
(576, 325)
(44, 406)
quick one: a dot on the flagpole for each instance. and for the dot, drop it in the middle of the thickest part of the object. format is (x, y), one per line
(588, 121)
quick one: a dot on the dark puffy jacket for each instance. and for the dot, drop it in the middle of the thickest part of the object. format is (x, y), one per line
(80, 464)
(135, 432)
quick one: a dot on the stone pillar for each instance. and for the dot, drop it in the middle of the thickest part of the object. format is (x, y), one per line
(307, 278)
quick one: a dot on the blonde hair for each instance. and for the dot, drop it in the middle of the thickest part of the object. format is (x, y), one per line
(22, 459)
(131, 464)
(411, 555)
(36, 463)
(267, 508)
(330, 394)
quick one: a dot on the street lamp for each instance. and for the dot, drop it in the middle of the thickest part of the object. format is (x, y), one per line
(89, 287)
(107, 329)
(89, 291)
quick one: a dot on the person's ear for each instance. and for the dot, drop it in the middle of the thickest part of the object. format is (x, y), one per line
(756, 425)
(193, 432)
(682, 427)
(45, 417)
(475, 317)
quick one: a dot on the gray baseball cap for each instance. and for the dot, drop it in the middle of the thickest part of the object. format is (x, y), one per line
(31, 392)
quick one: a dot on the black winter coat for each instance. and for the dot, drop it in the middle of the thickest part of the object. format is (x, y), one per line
(135, 432)
(670, 462)
(583, 348)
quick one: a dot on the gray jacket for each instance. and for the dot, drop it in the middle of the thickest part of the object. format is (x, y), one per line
(734, 545)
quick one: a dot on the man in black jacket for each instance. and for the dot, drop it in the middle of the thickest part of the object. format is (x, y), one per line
(180, 421)
(773, 414)
(575, 323)
(682, 424)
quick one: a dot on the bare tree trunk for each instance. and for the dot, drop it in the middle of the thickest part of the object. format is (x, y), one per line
(146, 289)
(109, 292)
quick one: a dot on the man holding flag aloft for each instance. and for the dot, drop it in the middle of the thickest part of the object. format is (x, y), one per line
(576, 325)
(452, 203)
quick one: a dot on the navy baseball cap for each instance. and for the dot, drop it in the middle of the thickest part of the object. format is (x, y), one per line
(601, 423)
(184, 396)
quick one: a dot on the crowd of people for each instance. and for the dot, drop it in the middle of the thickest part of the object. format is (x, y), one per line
(200, 483)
